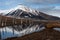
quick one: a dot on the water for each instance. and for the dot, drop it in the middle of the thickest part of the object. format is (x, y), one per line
(58, 29)
(8, 32)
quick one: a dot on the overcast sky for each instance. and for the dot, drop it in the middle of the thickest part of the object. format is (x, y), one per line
(47, 6)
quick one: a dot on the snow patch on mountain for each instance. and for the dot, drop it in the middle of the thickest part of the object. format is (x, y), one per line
(24, 8)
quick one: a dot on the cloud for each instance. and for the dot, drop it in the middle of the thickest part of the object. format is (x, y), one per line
(54, 12)
(4, 11)
(57, 7)
(46, 8)
(44, 1)
(50, 10)
(7, 2)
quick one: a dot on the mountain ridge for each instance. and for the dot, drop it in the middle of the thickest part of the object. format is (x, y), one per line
(23, 11)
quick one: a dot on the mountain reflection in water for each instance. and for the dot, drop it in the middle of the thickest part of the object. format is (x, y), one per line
(8, 32)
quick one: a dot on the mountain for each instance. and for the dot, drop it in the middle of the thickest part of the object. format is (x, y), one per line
(25, 12)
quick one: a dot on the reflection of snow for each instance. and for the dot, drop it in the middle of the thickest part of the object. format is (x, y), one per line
(58, 29)
(9, 32)
(30, 30)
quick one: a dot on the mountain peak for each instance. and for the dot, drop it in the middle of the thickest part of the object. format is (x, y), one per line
(24, 8)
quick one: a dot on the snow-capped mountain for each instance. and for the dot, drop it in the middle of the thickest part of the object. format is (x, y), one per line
(26, 12)
(23, 11)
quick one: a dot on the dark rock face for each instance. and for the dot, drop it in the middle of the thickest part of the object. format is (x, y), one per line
(24, 14)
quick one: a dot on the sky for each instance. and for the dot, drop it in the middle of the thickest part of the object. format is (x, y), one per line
(46, 6)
